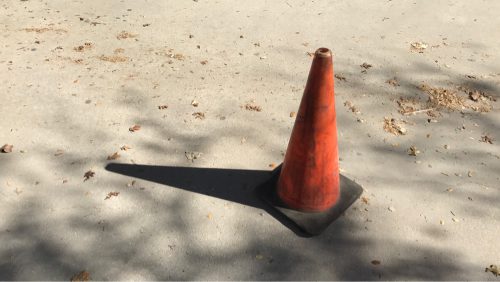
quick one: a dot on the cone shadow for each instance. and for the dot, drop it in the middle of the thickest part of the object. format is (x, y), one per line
(234, 185)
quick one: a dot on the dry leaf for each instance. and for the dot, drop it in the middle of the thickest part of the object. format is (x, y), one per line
(6, 148)
(413, 151)
(199, 115)
(114, 156)
(365, 200)
(365, 66)
(418, 47)
(443, 98)
(111, 194)
(113, 59)
(204, 62)
(88, 175)
(475, 95)
(340, 77)
(292, 114)
(125, 35)
(134, 128)
(179, 57)
(487, 139)
(391, 126)
(84, 47)
(393, 82)
(252, 107)
(352, 107)
(191, 156)
(375, 262)
(409, 106)
(494, 269)
(82, 276)
(59, 152)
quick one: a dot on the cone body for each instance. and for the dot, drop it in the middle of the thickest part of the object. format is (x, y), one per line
(309, 180)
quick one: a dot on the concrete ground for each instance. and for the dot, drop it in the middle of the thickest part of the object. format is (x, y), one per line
(76, 75)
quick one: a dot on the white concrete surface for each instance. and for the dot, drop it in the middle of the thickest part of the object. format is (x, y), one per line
(205, 224)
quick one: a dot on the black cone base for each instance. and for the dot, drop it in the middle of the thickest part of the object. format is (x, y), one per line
(312, 223)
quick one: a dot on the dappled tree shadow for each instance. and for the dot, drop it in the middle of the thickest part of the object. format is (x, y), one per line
(213, 227)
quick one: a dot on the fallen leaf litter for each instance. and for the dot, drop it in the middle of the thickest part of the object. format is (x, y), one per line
(6, 148)
(413, 151)
(199, 115)
(253, 107)
(494, 269)
(125, 35)
(418, 46)
(81, 276)
(191, 156)
(88, 175)
(112, 194)
(113, 156)
(134, 128)
(392, 126)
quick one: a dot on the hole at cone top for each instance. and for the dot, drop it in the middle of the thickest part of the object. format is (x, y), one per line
(323, 52)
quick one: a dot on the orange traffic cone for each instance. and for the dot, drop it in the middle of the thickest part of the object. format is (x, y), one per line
(308, 188)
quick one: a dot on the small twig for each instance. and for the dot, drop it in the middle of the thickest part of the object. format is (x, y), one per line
(418, 111)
